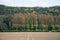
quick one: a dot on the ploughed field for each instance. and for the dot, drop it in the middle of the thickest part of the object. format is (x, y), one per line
(29, 35)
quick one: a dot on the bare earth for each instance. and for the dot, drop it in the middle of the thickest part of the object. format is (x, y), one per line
(29, 35)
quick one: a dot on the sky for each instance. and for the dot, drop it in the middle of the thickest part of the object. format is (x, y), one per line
(30, 3)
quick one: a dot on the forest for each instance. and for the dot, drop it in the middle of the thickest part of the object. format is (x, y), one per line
(29, 19)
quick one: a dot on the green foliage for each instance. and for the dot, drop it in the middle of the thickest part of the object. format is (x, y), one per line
(38, 10)
(50, 27)
(30, 19)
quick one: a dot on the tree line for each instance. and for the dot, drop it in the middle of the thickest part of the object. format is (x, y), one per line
(5, 10)
(30, 22)
(42, 19)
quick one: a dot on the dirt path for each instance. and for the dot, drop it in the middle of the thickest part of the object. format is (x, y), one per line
(29, 36)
